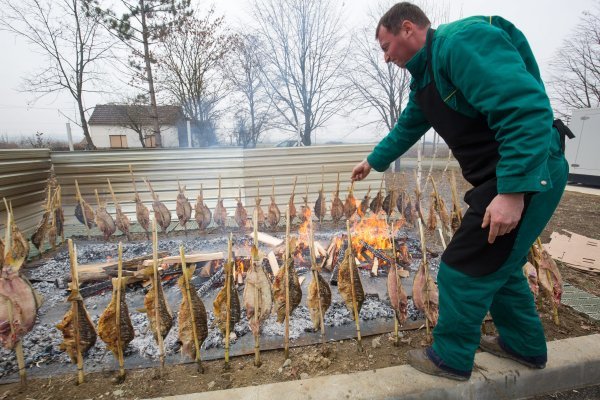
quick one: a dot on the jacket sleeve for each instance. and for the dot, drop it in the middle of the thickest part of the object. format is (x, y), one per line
(487, 69)
(411, 125)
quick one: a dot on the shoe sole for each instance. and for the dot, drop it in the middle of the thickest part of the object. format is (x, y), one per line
(441, 373)
(510, 357)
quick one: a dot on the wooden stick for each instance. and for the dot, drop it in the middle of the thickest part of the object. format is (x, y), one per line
(395, 266)
(192, 314)
(322, 194)
(257, 362)
(354, 305)
(286, 336)
(455, 201)
(81, 202)
(59, 198)
(315, 272)
(426, 272)
(228, 272)
(118, 314)
(75, 305)
(156, 283)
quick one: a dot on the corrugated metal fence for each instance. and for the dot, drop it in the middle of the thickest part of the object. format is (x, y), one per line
(240, 170)
(23, 176)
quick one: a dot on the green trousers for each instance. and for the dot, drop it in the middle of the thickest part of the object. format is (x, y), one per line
(465, 300)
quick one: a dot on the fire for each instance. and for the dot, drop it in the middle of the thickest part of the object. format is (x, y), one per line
(303, 234)
(373, 230)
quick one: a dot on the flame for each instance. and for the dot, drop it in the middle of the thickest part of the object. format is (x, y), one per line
(373, 230)
(303, 234)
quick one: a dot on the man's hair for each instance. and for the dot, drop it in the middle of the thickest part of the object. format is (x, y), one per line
(393, 18)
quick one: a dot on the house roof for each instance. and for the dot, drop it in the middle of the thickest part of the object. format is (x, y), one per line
(124, 114)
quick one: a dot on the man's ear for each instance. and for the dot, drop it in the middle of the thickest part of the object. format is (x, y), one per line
(408, 27)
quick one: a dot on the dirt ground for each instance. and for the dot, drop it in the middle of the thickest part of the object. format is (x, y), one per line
(577, 212)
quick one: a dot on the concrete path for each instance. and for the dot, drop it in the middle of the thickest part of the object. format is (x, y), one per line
(573, 363)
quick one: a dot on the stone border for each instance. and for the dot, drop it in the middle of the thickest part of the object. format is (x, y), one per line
(573, 363)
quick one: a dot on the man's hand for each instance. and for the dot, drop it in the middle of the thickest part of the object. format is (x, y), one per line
(361, 171)
(503, 214)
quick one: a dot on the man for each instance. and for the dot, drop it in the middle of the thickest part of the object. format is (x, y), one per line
(476, 82)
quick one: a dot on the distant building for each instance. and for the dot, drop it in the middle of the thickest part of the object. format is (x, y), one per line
(121, 126)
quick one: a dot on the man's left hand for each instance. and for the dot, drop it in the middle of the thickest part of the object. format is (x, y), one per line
(503, 214)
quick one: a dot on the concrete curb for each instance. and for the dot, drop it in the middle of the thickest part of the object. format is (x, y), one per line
(573, 363)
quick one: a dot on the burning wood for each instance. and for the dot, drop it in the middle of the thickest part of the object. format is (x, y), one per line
(183, 208)
(162, 215)
(105, 222)
(122, 221)
(350, 203)
(220, 216)
(241, 215)
(295, 291)
(291, 206)
(83, 211)
(337, 207)
(79, 333)
(141, 211)
(193, 321)
(203, 214)
(274, 214)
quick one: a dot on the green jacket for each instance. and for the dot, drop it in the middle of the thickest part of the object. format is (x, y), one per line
(484, 65)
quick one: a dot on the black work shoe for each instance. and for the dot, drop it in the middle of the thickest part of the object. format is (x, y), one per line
(427, 361)
(495, 345)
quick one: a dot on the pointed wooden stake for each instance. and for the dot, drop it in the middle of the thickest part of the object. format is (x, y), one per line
(186, 277)
(228, 273)
(156, 283)
(354, 305)
(118, 314)
(257, 362)
(286, 336)
(315, 273)
(75, 305)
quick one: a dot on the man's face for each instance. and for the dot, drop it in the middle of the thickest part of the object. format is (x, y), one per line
(398, 48)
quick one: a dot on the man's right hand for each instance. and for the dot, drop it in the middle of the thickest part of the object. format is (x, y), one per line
(361, 171)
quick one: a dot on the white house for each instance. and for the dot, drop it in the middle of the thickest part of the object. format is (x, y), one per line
(120, 126)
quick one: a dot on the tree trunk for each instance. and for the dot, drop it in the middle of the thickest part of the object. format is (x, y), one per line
(153, 106)
(86, 130)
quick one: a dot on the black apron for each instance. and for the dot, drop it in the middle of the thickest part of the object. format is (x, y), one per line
(475, 147)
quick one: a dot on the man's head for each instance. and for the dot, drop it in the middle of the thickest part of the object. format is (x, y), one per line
(402, 32)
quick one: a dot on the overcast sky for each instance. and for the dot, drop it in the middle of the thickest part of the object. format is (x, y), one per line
(545, 23)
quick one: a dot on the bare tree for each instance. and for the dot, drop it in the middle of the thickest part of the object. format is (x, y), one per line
(244, 72)
(575, 80)
(143, 24)
(68, 33)
(190, 72)
(303, 59)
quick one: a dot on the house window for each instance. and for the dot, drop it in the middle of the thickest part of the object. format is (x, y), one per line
(150, 141)
(118, 141)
